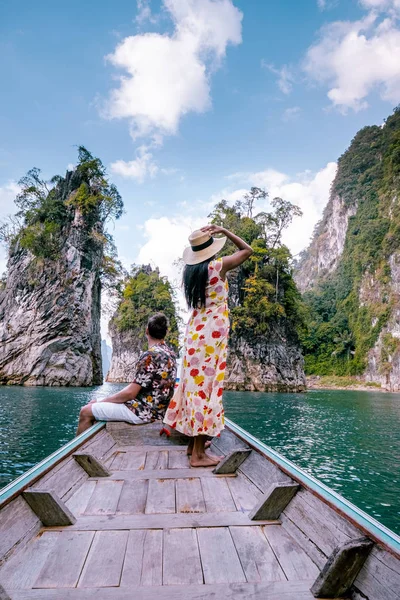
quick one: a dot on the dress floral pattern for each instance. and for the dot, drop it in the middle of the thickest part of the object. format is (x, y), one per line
(156, 372)
(196, 408)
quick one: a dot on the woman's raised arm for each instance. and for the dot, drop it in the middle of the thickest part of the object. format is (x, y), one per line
(237, 258)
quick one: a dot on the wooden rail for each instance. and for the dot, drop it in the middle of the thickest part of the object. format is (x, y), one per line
(21, 483)
(358, 517)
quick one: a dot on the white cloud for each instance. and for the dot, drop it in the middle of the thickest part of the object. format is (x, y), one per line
(354, 58)
(285, 76)
(7, 207)
(310, 191)
(144, 12)
(381, 5)
(167, 236)
(142, 167)
(326, 4)
(290, 114)
(167, 76)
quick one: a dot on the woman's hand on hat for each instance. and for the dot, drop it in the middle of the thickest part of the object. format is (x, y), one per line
(211, 229)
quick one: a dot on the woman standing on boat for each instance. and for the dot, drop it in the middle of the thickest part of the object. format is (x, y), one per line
(196, 409)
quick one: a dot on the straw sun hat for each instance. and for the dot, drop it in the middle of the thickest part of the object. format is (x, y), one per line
(202, 246)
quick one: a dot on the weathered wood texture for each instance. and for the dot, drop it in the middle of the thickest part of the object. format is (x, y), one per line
(277, 590)
(3, 594)
(103, 566)
(143, 435)
(316, 527)
(50, 509)
(262, 472)
(274, 501)
(341, 569)
(104, 521)
(232, 461)
(379, 578)
(256, 555)
(181, 558)
(189, 496)
(22, 569)
(164, 474)
(105, 497)
(219, 558)
(92, 465)
(18, 524)
(227, 442)
(64, 564)
(293, 560)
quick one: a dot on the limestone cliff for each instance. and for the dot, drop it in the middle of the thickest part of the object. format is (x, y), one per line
(322, 256)
(144, 293)
(265, 364)
(50, 306)
(351, 271)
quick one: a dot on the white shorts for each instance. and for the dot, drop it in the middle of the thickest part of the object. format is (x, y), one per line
(111, 411)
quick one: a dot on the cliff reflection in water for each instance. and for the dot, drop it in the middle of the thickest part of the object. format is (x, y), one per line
(350, 440)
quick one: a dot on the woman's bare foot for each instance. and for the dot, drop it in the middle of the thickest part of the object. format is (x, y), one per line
(189, 450)
(204, 460)
(191, 443)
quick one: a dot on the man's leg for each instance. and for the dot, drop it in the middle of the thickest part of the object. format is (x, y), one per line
(86, 419)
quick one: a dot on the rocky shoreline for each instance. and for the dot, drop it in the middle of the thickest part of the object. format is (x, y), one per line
(316, 382)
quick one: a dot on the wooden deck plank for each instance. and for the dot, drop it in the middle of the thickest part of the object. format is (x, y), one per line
(117, 461)
(163, 521)
(160, 497)
(277, 590)
(78, 502)
(156, 459)
(217, 495)
(162, 474)
(189, 496)
(296, 564)
(151, 448)
(178, 460)
(18, 523)
(103, 565)
(152, 558)
(219, 558)
(244, 493)
(64, 564)
(105, 497)
(379, 578)
(21, 571)
(256, 556)
(181, 558)
(133, 497)
(261, 471)
(133, 460)
(132, 569)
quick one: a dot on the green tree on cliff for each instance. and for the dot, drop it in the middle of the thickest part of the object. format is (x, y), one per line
(266, 290)
(47, 210)
(144, 292)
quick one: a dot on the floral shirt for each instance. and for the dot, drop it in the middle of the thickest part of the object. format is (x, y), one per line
(156, 373)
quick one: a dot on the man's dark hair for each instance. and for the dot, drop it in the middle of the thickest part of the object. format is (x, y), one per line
(158, 326)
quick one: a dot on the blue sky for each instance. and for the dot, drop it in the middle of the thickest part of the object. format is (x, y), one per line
(217, 95)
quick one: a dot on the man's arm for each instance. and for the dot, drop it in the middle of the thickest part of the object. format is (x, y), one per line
(128, 393)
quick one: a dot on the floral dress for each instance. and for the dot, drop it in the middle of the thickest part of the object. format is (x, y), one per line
(155, 371)
(196, 407)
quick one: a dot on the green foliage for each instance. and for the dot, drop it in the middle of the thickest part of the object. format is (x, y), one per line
(341, 331)
(267, 292)
(144, 293)
(48, 208)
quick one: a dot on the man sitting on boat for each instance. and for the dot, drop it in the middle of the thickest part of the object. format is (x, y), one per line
(147, 397)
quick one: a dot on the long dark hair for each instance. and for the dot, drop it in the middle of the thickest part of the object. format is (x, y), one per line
(195, 279)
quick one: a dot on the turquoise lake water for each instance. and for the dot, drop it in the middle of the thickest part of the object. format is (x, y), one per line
(349, 440)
